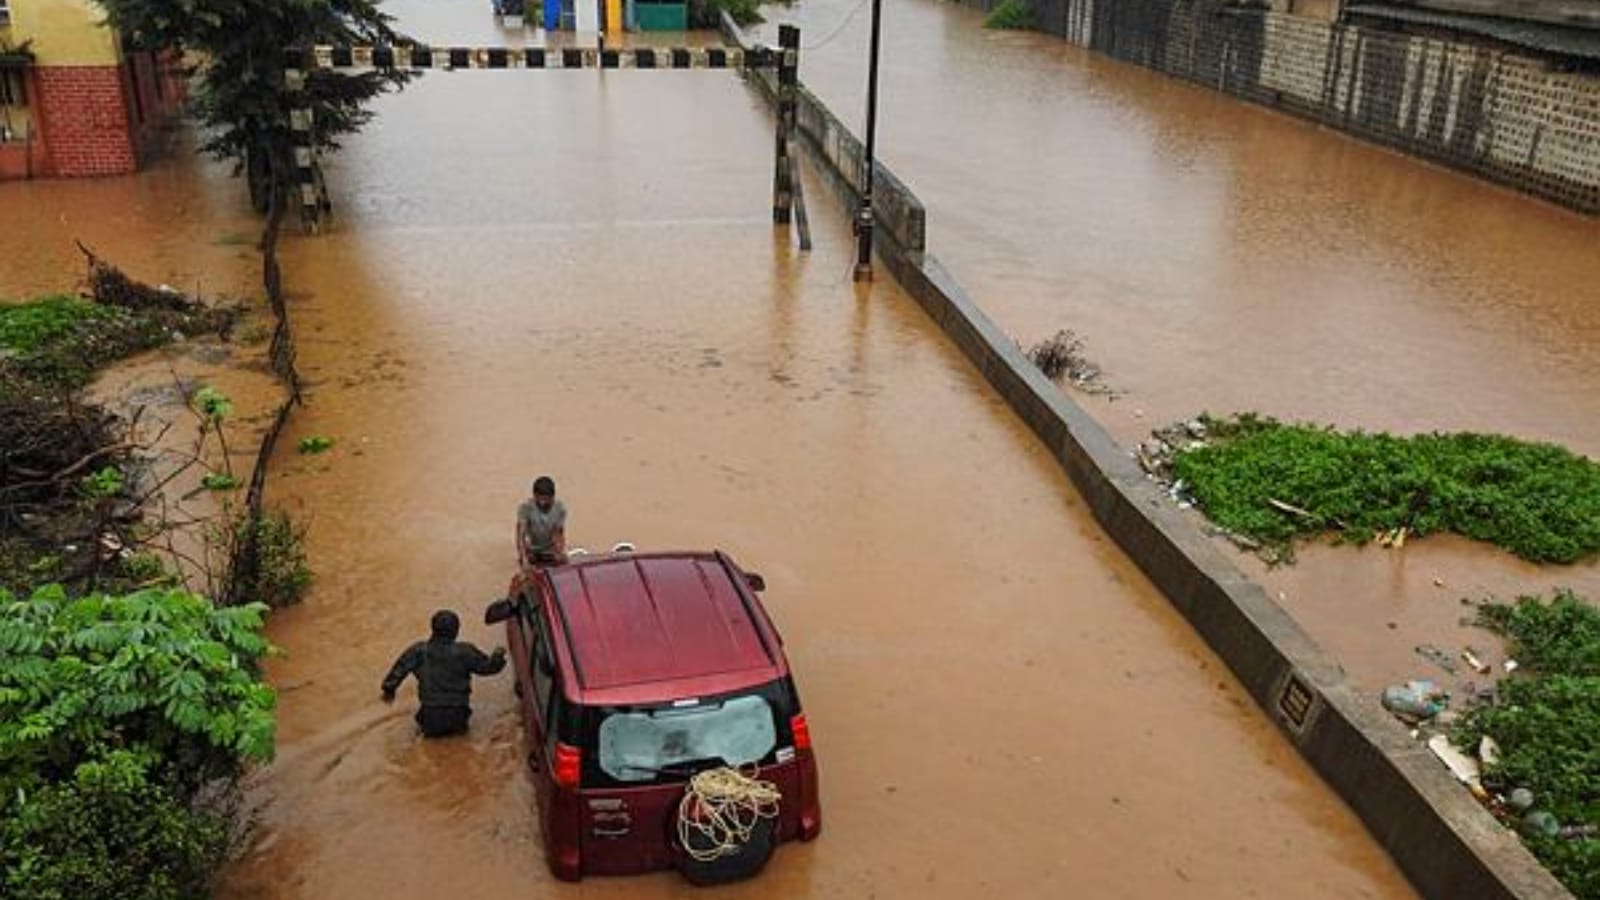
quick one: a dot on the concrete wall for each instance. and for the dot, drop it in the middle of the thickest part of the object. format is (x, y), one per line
(64, 32)
(1448, 845)
(1509, 118)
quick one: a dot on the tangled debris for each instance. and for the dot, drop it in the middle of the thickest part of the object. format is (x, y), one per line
(73, 486)
(1060, 356)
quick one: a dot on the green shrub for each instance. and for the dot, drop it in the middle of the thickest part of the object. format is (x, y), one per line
(118, 715)
(1011, 15)
(1546, 721)
(162, 670)
(282, 575)
(109, 834)
(1539, 501)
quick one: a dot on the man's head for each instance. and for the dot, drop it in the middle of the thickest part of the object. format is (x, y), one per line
(446, 625)
(544, 492)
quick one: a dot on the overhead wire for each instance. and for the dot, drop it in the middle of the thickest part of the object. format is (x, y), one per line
(837, 30)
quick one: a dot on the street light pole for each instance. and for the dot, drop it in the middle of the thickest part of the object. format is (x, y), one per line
(864, 221)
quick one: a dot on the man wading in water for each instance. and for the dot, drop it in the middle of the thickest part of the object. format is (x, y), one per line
(444, 667)
(542, 525)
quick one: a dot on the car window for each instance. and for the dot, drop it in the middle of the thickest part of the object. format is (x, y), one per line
(645, 745)
(543, 666)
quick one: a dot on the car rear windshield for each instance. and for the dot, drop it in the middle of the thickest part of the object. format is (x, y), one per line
(635, 746)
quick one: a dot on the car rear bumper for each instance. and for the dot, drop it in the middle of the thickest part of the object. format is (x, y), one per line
(587, 839)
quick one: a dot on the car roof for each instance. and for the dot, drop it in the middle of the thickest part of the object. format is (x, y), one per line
(642, 627)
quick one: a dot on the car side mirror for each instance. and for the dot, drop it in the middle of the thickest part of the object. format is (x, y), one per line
(756, 582)
(499, 611)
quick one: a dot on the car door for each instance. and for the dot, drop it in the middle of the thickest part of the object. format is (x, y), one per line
(537, 693)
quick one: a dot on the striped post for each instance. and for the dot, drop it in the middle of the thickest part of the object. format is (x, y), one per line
(301, 125)
(788, 83)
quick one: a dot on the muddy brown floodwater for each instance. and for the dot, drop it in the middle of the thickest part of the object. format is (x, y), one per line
(574, 273)
(1218, 256)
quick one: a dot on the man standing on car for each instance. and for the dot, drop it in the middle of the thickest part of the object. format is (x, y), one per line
(444, 668)
(542, 525)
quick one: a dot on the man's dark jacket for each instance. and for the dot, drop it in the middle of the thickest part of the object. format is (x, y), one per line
(444, 670)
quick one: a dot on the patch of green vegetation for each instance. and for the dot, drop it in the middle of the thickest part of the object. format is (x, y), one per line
(218, 481)
(315, 444)
(211, 403)
(1546, 721)
(103, 484)
(281, 575)
(62, 340)
(1276, 483)
(119, 717)
(31, 327)
(1011, 15)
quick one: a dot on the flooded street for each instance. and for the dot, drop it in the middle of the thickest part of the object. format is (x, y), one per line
(568, 273)
(574, 273)
(1220, 257)
(181, 222)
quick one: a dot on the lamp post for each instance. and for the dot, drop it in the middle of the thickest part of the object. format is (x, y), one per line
(864, 223)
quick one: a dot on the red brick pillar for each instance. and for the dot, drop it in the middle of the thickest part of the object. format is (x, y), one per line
(83, 115)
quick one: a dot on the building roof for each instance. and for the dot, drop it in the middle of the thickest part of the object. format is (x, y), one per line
(1581, 43)
(636, 619)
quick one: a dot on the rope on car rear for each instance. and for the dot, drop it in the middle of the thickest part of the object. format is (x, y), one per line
(721, 809)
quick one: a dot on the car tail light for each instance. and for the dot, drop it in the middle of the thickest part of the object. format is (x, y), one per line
(801, 731)
(568, 765)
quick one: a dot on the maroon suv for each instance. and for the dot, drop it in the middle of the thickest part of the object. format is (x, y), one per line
(635, 672)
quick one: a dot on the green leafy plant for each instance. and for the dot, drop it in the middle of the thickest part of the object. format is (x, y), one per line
(145, 568)
(162, 667)
(110, 833)
(315, 444)
(211, 403)
(1011, 15)
(218, 481)
(1546, 721)
(119, 716)
(60, 340)
(103, 483)
(1276, 483)
(280, 575)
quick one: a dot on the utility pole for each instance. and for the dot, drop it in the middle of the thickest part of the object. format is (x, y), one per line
(864, 223)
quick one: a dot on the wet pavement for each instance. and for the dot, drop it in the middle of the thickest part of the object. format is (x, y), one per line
(1218, 256)
(575, 273)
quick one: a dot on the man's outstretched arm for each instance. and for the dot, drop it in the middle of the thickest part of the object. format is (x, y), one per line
(405, 665)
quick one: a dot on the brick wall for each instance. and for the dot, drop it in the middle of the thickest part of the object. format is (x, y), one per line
(84, 121)
(1501, 115)
(98, 120)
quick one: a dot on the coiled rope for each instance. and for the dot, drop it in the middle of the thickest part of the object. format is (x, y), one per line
(721, 809)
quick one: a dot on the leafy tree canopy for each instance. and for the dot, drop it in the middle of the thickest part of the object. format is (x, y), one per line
(236, 48)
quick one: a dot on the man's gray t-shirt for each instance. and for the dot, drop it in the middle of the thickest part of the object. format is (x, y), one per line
(539, 526)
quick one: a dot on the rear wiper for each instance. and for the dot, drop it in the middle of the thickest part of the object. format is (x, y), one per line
(696, 766)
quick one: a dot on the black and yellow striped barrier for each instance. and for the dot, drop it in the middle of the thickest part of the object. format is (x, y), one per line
(300, 62)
